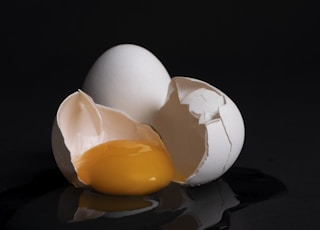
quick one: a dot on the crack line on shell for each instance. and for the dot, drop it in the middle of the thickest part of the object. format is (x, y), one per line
(228, 158)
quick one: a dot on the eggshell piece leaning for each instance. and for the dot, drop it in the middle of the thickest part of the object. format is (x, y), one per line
(81, 124)
(202, 129)
(129, 78)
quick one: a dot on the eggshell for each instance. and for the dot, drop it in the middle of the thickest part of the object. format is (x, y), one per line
(202, 129)
(81, 124)
(129, 78)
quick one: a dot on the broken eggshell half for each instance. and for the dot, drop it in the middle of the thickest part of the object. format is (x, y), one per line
(202, 128)
(81, 124)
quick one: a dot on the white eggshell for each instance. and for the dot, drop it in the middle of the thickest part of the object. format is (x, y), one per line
(81, 124)
(202, 129)
(129, 78)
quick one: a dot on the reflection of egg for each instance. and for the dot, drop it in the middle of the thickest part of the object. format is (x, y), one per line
(201, 128)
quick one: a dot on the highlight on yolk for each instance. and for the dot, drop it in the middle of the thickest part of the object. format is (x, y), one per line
(125, 167)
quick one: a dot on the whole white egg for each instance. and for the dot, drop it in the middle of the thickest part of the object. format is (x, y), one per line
(129, 78)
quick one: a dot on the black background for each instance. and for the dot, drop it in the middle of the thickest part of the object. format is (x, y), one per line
(262, 54)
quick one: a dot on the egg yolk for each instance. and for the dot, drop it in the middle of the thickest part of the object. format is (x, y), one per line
(125, 167)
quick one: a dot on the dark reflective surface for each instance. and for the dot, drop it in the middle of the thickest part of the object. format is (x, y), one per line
(48, 202)
(264, 55)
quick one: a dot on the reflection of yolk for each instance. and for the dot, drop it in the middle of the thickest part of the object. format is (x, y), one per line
(105, 203)
(125, 167)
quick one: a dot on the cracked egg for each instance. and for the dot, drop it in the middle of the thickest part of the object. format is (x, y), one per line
(101, 148)
(133, 129)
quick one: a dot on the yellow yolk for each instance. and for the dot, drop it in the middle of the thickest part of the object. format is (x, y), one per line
(125, 167)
